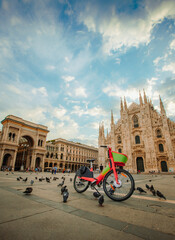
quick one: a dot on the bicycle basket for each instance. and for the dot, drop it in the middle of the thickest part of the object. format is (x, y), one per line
(119, 157)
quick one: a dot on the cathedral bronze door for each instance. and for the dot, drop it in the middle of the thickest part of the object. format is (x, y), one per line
(164, 166)
(140, 164)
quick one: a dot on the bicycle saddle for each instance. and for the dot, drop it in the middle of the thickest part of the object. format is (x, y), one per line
(90, 160)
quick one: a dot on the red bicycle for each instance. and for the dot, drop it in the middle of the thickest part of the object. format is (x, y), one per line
(118, 184)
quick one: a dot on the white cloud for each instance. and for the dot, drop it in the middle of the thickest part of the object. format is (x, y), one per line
(170, 67)
(170, 108)
(113, 90)
(68, 78)
(67, 59)
(96, 111)
(172, 45)
(14, 89)
(121, 30)
(80, 92)
(157, 60)
(59, 112)
(41, 90)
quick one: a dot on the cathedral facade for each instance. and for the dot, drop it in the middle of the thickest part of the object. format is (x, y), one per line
(144, 135)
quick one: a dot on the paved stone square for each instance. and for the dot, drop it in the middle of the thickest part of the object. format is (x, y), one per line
(43, 215)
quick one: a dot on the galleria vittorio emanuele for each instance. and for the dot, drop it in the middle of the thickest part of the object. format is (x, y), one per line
(144, 135)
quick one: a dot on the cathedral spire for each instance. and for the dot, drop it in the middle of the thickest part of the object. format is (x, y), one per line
(121, 105)
(162, 109)
(125, 104)
(112, 118)
(140, 99)
(145, 98)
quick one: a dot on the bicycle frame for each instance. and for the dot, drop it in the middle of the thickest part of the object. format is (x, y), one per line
(111, 166)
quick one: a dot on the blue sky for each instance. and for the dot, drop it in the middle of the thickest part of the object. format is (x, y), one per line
(66, 64)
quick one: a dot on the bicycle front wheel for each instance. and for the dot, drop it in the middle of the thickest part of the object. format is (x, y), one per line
(80, 185)
(121, 191)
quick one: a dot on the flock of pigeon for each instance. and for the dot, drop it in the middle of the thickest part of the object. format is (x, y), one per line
(65, 193)
(152, 190)
(64, 190)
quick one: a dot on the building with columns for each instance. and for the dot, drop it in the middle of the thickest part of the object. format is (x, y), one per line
(23, 145)
(66, 154)
(144, 135)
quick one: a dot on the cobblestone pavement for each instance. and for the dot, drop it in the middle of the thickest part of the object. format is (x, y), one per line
(43, 215)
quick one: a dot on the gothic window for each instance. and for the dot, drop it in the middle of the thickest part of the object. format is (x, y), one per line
(119, 139)
(119, 150)
(135, 122)
(56, 155)
(10, 135)
(50, 164)
(158, 133)
(47, 155)
(39, 142)
(51, 155)
(61, 156)
(161, 149)
(13, 137)
(137, 139)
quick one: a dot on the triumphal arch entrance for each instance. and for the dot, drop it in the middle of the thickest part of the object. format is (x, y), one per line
(22, 144)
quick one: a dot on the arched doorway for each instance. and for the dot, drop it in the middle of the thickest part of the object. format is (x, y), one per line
(6, 161)
(38, 161)
(164, 167)
(24, 153)
(140, 164)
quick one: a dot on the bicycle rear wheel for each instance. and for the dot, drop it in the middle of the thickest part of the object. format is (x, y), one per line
(122, 191)
(80, 185)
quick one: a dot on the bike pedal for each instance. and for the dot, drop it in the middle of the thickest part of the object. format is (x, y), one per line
(93, 183)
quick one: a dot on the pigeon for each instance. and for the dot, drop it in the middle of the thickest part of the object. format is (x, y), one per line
(153, 192)
(70, 179)
(40, 179)
(65, 195)
(96, 194)
(150, 180)
(36, 178)
(31, 182)
(60, 184)
(147, 187)
(101, 200)
(48, 180)
(55, 178)
(63, 189)
(25, 180)
(18, 179)
(159, 194)
(28, 190)
(151, 188)
(141, 190)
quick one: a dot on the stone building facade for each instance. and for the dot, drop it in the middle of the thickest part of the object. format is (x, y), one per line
(23, 145)
(69, 155)
(144, 135)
